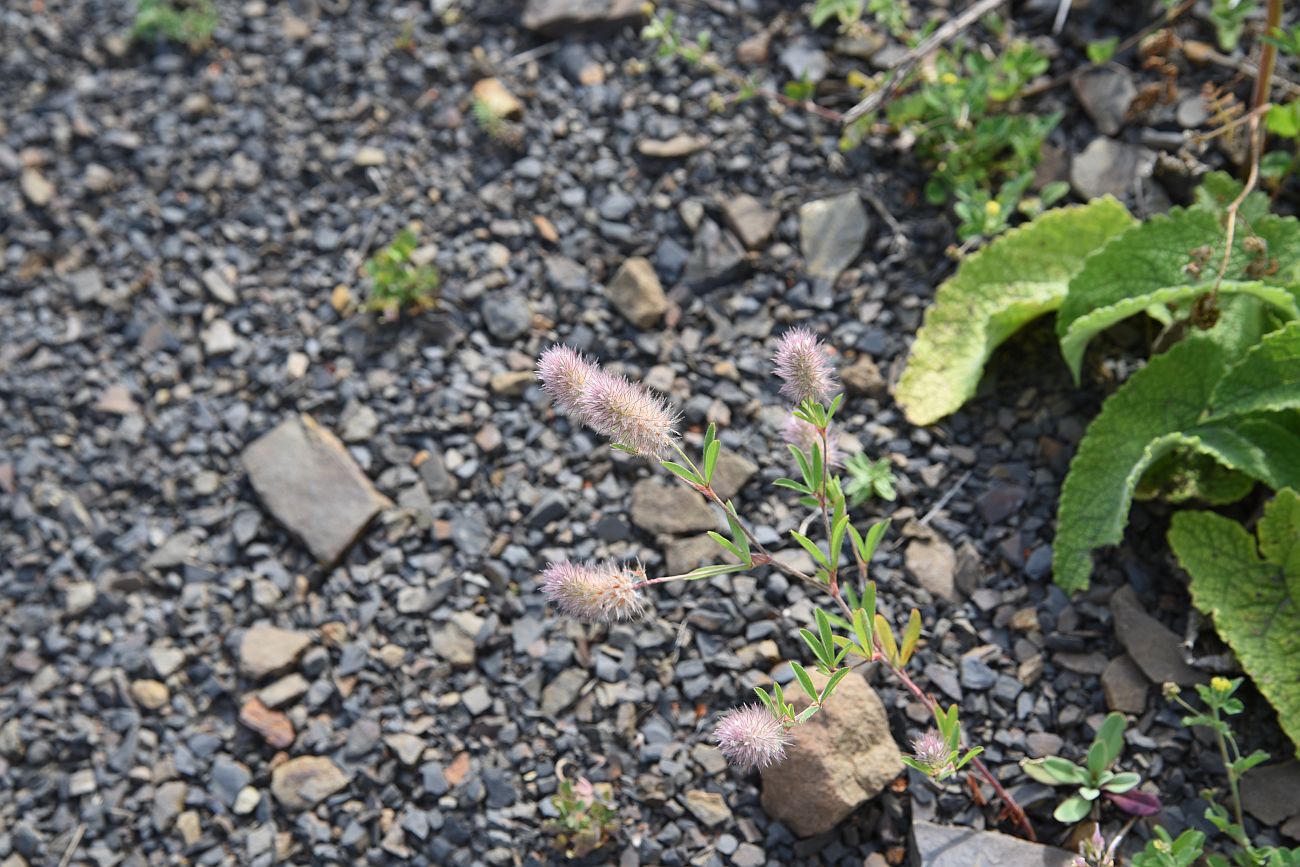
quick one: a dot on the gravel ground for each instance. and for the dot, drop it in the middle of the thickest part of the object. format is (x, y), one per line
(176, 232)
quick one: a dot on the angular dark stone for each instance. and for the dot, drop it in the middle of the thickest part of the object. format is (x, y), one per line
(309, 482)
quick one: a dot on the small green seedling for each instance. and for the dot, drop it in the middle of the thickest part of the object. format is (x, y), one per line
(185, 22)
(585, 821)
(397, 283)
(1093, 777)
(869, 479)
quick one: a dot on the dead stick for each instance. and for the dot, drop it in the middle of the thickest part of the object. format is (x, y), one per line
(935, 40)
(1263, 83)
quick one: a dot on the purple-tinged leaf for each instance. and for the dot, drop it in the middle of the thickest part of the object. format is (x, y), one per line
(1136, 803)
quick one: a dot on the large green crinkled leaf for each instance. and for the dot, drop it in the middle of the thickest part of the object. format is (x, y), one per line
(1159, 409)
(1173, 259)
(1020, 276)
(1266, 378)
(1186, 475)
(1253, 594)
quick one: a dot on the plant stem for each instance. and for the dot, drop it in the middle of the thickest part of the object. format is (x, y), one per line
(1014, 810)
(1234, 787)
(1259, 98)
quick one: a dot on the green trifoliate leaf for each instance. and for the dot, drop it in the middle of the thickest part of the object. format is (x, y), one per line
(1252, 592)
(1174, 259)
(1265, 379)
(995, 292)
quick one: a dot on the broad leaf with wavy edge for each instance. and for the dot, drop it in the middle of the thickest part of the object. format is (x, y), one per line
(1252, 592)
(1173, 259)
(1266, 379)
(1161, 408)
(997, 291)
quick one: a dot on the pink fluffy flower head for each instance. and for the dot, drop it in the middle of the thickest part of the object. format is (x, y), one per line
(931, 751)
(627, 414)
(751, 737)
(602, 592)
(804, 436)
(801, 360)
(564, 373)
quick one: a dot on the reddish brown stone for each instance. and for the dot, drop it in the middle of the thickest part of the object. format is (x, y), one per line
(272, 725)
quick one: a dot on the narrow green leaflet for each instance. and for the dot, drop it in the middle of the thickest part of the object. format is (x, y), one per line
(1174, 259)
(1252, 593)
(1157, 410)
(1020, 276)
(1266, 378)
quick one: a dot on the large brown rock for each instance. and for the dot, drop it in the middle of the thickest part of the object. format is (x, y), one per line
(311, 485)
(636, 293)
(841, 758)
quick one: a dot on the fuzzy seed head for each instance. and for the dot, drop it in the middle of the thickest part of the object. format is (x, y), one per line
(751, 737)
(628, 414)
(564, 373)
(931, 750)
(801, 360)
(804, 436)
(603, 592)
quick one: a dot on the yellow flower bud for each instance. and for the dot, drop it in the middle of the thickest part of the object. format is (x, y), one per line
(992, 208)
(948, 78)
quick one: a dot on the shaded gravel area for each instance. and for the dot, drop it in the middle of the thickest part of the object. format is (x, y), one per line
(182, 682)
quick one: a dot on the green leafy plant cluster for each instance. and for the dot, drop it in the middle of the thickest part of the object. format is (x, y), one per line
(1094, 778)
(584, 820)
(1251, 587)
(891, 15)
(869, 479)
(185, 22)
(980, 154)
(1206, 419)
(1189, 847)
(1283, 119)
(397, 283)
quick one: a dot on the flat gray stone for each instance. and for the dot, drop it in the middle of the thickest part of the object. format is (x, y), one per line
(635, 292)
(731, 473)
(558, 17)
(945, 846)
(305, 781)
(751, 222)
(309, 482)
(831, 234)
(1105, 94)
(1125, 686)
(1155, 648)
(1271, 793)
(717, 258)
(660, 508)
(933, 563)
(267, 650)
(1109, 167)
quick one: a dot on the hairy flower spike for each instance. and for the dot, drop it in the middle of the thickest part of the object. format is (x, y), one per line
(801, 360)
(564, 373)
(751, 737)
(592, 591)
(804, 436)
(931, 750)
(627, 414)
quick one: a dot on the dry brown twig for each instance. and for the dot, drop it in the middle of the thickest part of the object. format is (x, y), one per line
(931, 43)
(1259, 99)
